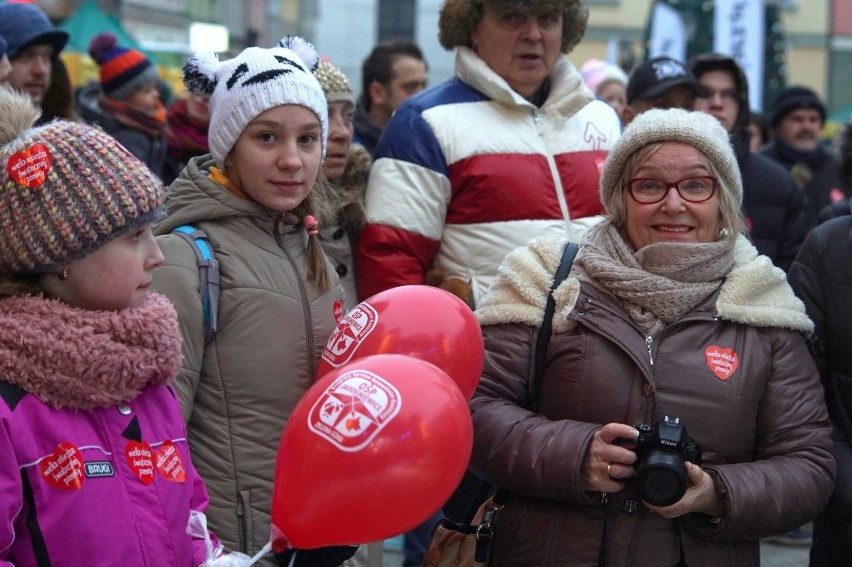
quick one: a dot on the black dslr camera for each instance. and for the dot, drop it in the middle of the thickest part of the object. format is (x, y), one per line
(662, 449)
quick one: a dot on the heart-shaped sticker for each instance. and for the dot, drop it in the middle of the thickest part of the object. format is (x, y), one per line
(721, 361)
(169, 462)
(30, 167)
(140, 458)
(63, 468)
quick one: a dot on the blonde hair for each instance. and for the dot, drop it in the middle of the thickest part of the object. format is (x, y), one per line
(316, 204)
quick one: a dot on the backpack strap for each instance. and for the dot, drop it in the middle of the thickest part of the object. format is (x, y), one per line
(544, 333)
(208, 274)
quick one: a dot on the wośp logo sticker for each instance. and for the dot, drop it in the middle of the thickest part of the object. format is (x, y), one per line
(721, 361)
(31, 166)
(349, 334)
(353, 409)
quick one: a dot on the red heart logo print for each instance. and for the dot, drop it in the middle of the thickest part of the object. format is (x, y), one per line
(169, 462)
(64, 468)
(140, 458)
(721, 361)
(30, 167)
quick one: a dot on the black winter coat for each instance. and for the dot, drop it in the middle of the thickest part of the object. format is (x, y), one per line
(824, 187)
(822, 277)
(774, 208)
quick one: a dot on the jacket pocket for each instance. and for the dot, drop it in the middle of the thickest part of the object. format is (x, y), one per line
(246, 524)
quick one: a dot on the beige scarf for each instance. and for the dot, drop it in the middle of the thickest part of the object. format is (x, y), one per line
(660, 283)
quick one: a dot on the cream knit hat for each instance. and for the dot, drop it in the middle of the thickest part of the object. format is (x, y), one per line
(251, 83)
(697, 129)
(334, 83)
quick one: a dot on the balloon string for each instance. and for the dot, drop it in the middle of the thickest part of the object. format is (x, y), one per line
(266, 549)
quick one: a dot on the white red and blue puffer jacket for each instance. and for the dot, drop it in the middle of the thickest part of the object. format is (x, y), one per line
(469, 170)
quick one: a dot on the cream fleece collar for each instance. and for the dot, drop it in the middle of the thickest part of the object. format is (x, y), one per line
(754, 293)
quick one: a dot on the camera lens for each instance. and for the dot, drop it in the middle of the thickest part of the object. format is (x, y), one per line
(662, 478)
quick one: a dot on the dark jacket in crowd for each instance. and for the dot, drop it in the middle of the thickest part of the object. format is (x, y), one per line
(822, 278)
(150, 151)
(818, 173)
(366, 133)
(773, 204)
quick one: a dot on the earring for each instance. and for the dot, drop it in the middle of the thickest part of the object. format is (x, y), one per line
(63, 275)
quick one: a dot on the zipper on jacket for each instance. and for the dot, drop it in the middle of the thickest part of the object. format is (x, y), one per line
(649, 341)
(554, 174)
(306, 304)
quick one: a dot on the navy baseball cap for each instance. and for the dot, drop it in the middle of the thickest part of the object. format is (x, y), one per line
(656, 76)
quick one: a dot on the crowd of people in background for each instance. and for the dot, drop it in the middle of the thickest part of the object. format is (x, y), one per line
(703, 226)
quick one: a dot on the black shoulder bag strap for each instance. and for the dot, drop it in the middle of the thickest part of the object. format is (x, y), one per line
(546, 330)
(472, 483)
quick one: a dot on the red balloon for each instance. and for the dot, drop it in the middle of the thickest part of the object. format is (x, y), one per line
(372, 450)
(416, 320)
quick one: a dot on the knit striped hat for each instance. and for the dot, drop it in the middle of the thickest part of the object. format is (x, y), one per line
(66, 189)
(123, 70)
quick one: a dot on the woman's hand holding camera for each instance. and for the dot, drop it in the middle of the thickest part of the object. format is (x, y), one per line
(700, 497)
(608, 465)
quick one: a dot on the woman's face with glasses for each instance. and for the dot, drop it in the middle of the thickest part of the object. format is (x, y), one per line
(672, 197)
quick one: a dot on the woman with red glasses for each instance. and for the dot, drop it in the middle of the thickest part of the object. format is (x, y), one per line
(679, 417)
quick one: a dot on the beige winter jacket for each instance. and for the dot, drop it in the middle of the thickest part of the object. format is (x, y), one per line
(237, 392)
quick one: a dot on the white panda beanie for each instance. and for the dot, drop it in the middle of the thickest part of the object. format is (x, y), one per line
(251, 83)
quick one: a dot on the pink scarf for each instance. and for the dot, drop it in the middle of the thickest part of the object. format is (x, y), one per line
(76, 358)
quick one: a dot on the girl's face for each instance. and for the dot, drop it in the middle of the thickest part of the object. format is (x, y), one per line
(146, 97)
(112, 278)
(277, 157)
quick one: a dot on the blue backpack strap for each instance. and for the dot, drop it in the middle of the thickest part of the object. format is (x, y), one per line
(208, 274)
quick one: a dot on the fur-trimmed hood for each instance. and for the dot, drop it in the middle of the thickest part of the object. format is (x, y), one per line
(754, 293)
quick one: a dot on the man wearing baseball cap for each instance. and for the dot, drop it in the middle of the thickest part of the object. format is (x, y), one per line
(660, 82)
(33, 43)
(796, 118)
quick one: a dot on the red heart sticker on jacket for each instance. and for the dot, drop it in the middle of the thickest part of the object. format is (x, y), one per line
(64, 468)
(30, 167)
(721, 361)
(169, 462)
(140, 458)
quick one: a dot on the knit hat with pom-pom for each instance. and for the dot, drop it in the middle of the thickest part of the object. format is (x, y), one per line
(66, 189)
(123, 70)
(251, 83)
